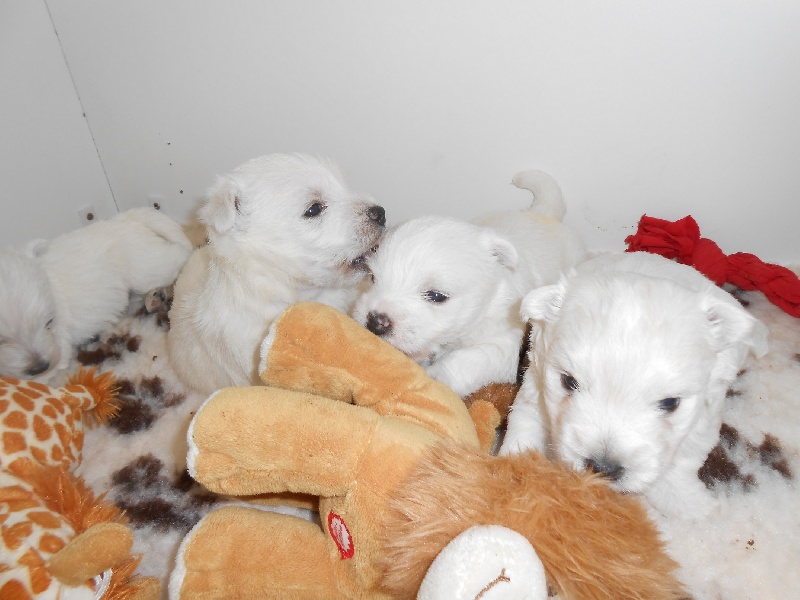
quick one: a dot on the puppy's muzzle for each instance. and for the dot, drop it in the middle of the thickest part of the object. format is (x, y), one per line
(379, 323)
(610, 469)
(377, 215)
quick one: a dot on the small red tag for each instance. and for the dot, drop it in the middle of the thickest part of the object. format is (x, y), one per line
(341, 535)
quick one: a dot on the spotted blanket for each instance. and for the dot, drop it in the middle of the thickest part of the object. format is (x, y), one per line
(748, 548)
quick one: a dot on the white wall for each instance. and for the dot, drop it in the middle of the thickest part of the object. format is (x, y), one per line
(661, 107)
(49, 167)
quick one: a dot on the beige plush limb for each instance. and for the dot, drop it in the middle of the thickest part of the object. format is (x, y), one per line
(276, 556)
(317, 349)
(97, 549)
(295, 442)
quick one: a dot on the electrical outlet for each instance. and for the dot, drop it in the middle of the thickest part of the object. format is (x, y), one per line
(87, 214)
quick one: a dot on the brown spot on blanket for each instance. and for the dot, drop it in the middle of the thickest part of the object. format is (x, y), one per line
(150, 496)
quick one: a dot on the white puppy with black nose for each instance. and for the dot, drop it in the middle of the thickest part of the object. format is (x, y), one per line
(631, 359)
(446, 292)
(282, 228)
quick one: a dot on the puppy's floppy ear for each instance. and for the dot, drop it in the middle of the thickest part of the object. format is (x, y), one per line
(222, 206)
(36, 248)
(733, 325)
(503, 250)
(544, 303)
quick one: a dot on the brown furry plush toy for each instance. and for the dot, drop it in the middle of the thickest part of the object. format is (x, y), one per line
(347, 418)
(593, 542)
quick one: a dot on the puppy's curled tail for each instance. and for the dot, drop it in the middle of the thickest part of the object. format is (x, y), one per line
(160, 224)
(547, 197)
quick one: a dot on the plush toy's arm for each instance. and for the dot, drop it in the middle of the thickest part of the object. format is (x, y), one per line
(317, 349)
(246, 441)
(256, 440)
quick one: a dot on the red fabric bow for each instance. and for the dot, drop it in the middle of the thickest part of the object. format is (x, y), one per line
(681, 240)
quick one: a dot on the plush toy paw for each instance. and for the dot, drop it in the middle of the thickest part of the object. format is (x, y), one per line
(490, 562)
(89, 554)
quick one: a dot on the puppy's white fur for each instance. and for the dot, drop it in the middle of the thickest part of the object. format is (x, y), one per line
(631, 359)
(60, 293)
(281, 229)
(447, 292)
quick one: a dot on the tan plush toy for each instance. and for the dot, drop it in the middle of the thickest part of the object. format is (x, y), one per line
(57, 539)
(346, 417)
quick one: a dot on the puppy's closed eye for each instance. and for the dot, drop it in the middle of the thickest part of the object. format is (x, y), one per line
(669, 405)
(49, 324)
(569, 383)
(435, 296)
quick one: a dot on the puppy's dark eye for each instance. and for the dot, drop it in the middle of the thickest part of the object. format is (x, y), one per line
(314, 210)
(49, 324)
(569, 383)
(435, 296)
(669, 405)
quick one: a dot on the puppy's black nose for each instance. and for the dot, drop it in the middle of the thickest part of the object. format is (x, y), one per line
(377, 214)
(40, 366)
(607, 468)
(379, 323)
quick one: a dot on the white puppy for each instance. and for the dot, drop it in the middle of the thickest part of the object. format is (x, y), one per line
(63, 292)
(631, 359)
(447, 292)
(281, 229)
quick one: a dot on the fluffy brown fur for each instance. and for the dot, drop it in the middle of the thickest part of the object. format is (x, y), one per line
(593, 542)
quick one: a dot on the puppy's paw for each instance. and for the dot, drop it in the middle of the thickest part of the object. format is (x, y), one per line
(158, 299)
(686, 499)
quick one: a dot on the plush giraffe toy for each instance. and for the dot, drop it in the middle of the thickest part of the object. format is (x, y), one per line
(56, 538)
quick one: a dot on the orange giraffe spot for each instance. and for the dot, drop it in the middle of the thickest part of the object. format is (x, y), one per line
(4, 404)
(63, 434)
(23, 401)
(45, 519)
(41, 429)
(22, 504)
(13, 442)
(16, 534)
(69, 457)
(39, 454)
(40, 578)
(14, 590)
(16, 420)
(14, 493)
(57, 454)
(24, 468)
(17, 498)
(50, 543)
(57, 404)
(49, 412)
(29, 392)
(45, 389)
